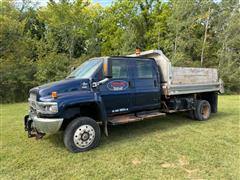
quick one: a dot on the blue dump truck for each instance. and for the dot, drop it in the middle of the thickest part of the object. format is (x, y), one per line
(115, 90)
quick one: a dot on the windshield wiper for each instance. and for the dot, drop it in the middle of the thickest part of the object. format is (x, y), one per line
(70, 77)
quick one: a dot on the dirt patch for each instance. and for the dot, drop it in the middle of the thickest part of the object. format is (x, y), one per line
(136, 161)
(191, 173)
(181, 164)
(183, 161)
(168, 165)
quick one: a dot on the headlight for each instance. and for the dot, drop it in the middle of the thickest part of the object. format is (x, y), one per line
(53, 108)
(47, 107)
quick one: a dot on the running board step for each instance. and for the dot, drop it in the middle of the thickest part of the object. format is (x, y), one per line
(123, 119)
(174, 111)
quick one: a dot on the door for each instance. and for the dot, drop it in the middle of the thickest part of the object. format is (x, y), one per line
(117, 93)
(147, 86)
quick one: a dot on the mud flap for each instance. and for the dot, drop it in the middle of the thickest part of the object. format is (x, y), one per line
(105, 128)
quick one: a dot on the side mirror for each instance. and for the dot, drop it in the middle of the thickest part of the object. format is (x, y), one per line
(107, 68)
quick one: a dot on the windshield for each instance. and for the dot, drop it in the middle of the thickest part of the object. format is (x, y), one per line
(86, 70)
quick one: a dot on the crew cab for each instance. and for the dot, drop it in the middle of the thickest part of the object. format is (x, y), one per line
(115, 90)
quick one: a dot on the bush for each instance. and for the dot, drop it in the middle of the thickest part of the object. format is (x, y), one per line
(17, 77)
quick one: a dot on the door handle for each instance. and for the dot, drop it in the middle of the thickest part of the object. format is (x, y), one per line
(155, 83)
(130, 84)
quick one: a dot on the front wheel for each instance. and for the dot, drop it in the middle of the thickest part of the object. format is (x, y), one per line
(82, 134)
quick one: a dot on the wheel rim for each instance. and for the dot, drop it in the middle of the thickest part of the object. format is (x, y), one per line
(84, 136)
(205, 111)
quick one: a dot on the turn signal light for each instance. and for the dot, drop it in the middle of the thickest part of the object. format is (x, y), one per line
(105, 68)
(54, 94)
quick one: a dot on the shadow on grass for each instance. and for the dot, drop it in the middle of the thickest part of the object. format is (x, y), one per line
(138, 129)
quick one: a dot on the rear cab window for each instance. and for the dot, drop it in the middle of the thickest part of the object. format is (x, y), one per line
(144, 69)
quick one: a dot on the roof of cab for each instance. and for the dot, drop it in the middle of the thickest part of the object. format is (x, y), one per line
(128, 57)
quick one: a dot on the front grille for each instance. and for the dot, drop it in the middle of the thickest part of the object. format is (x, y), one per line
(32, 102)
(33, 97)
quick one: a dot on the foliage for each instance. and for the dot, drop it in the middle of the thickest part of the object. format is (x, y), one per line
(40, 44)
(53, 66)
(229, 51)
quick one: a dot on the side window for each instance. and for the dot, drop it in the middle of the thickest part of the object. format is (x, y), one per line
(119, 69)
(144, 69)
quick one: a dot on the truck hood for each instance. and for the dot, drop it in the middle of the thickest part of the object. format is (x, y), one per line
(61, 87)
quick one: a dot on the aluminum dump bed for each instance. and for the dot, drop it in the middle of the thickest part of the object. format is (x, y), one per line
(183, 80)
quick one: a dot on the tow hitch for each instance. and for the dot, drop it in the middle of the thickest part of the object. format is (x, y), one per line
(32, 132)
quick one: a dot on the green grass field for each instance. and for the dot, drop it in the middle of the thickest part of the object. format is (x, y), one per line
(171, 147)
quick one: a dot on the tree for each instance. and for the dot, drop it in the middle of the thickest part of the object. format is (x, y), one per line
(66, 26)
(16, 65)
(40, 44)
(52, 67)
(228, 35)
(182, 25)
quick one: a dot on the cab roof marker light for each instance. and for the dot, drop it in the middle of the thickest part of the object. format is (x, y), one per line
(138, 51)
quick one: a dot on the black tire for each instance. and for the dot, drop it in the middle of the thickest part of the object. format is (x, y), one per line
(80, 131)
(190, 114)
(202, 110)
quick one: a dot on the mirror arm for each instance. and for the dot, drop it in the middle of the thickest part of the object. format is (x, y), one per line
(96, 84)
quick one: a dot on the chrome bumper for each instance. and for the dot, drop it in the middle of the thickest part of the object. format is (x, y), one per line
(45, 125)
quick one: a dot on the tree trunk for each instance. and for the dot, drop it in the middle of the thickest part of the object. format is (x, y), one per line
(175, 44)
(205, 37)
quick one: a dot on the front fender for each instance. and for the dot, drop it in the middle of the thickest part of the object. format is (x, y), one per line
(69, 105)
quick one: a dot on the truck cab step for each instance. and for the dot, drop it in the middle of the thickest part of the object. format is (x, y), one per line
(123, 119)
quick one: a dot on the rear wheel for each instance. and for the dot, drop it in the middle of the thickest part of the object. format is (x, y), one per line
(82, 134)
(202, 110)
(190, 114)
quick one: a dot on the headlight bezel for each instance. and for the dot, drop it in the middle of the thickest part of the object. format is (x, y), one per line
(47, 107)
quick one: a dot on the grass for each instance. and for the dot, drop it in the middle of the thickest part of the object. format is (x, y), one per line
(172, 147)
